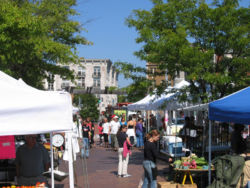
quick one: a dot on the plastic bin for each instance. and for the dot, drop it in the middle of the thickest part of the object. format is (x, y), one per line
(175, 148)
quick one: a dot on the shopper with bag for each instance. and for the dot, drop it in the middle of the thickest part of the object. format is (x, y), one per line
(123, 152)
(149, 163)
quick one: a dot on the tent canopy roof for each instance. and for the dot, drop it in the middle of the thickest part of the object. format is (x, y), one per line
(233, 108)
(154, 102)
(27, 110)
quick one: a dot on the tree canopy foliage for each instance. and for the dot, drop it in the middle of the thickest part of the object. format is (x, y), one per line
(35, 35)
(136, 91)
(88, 105)
(209, 42)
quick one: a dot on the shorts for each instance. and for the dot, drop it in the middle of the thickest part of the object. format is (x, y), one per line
(106, 137)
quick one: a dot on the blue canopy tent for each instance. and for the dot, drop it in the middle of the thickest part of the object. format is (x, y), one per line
(232, 108)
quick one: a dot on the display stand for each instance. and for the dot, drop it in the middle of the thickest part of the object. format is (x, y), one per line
(188, 172)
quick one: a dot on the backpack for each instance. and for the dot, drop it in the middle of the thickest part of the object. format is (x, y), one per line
(228, 170)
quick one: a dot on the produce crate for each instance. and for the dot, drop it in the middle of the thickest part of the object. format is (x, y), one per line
(187, 185)
(167, 185)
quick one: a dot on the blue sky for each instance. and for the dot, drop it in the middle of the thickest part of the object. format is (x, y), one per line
(104, 21)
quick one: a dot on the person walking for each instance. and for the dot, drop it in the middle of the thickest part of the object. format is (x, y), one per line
(123, 121)
(139, 133)
(149, 163)
(123, 152)
(131, 129)
(114, 127)
(106, 128)
(100, 128)
(91, 125)
(85, 139)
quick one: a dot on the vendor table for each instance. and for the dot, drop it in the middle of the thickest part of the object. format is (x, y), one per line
(189, 173)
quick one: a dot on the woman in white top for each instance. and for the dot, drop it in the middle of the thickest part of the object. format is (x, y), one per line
(106, 128)
(131, 129)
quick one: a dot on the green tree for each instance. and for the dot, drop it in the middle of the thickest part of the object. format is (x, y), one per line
(210, 43)
(135, 91)
(35, 35)
(89, 105)
(140, 87)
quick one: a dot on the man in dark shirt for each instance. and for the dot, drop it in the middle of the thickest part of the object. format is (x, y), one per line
(85, 140)
(238, 145)
(32, 159)
(152, 122)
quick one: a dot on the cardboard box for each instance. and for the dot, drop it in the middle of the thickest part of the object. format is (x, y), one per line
(167, 185)
(187, 186)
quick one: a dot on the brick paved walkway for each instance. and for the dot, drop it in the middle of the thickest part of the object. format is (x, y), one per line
(102, 169)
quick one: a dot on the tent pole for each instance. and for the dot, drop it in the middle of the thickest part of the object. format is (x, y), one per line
(148, 122)
(52, 161)
(71, 172)
(209, 152)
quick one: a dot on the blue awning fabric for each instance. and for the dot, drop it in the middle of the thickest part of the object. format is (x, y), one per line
(233, 108)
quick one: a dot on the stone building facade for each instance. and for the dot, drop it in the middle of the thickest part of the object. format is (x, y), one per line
(95, 73)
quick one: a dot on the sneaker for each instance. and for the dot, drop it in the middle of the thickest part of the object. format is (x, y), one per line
(126, 175)
(119, 176)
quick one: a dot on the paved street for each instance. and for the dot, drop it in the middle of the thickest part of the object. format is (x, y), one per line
(102, 170)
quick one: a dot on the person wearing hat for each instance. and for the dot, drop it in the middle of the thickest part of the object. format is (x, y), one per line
(114, 127)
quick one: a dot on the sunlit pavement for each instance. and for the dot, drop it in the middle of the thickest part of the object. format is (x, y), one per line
(102, 170)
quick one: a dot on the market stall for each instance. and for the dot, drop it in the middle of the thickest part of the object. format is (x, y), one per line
(232, 108)
(26, 110)
(164, 102)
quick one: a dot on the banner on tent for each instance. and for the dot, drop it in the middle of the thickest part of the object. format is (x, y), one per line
(7, 147)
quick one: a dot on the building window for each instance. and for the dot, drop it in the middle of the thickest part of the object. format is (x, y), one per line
(153, 70)
(51, 86)
(97, 82)
(177, 74)
(65, 84)
(97, 71)
(81, 82)
(81, 77)
(50, 82)
(81, 71)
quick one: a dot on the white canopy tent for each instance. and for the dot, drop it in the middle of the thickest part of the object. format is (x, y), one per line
(154, 102)
(26, 110)
(167, 101)
(141, 104)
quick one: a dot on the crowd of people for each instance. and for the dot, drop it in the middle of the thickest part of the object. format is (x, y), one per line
(107, 130)
(121, 134)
